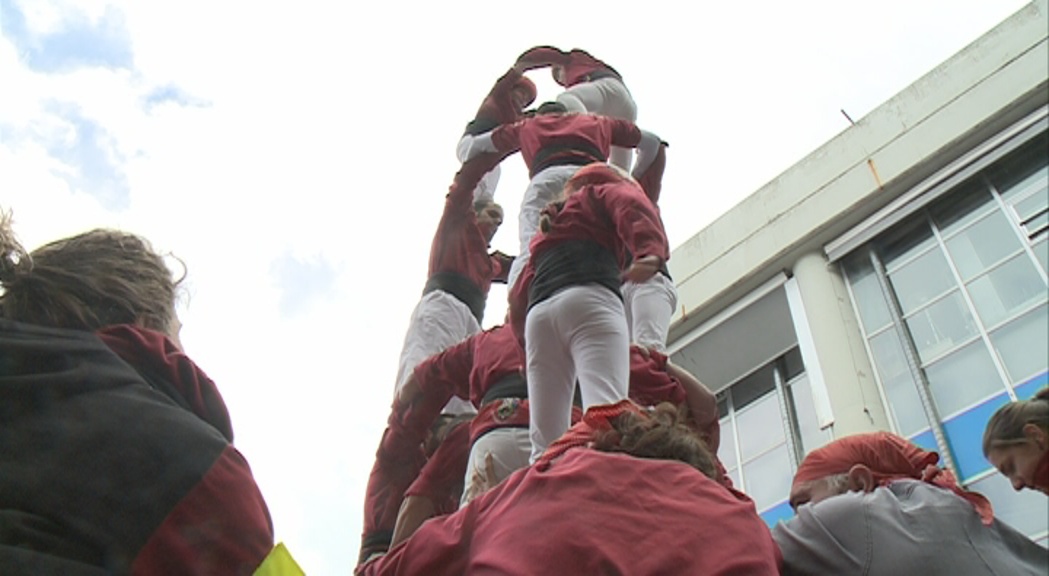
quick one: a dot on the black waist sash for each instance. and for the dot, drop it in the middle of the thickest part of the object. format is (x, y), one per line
(566, 152)
(573, 263)
(461, 287)
(480, 125)
(509, 386)
(603, 73)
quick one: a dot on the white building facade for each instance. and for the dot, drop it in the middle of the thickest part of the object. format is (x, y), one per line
(895, 279)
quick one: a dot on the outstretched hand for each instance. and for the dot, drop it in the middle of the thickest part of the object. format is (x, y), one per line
(479, 484)
(643, 268)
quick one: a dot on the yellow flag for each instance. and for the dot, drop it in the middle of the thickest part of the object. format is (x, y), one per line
(279, 563)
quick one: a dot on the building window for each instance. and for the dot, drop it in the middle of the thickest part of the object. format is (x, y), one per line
(953, 306)
(768, 423)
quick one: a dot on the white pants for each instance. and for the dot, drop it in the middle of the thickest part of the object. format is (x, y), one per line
(439, 320)
(578, 333)
(544, 187)
(607, 97)
(485, 189)
(509, 448)
(649, 306)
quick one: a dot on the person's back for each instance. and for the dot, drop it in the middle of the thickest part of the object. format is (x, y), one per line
(595, 513)
(102, 467)
(906, 527)
(116, 450)
(626, 491)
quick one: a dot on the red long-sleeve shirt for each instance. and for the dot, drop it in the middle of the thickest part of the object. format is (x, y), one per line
(618, 216)
(459, 245)
(532, 135)
(498, 105)
(579, 65)
(470, 367)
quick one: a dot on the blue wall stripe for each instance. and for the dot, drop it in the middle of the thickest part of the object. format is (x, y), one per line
(926, 440)
(1027, 389)
(965, 435)
(780, 511)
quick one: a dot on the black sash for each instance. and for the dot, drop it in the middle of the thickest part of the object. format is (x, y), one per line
(461, 287)
(567, 152)
(573, 263)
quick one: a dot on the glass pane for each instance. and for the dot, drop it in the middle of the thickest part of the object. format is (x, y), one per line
(962, 206)
(909, 239)
(962, 378)
(1023, 345)
(811, 435)
(941, 326)
(870, 301)
(922, 280)
(979, 246)
(1007, 289)
(1036, 203)
(727, 446)
(768, 478)
(1041, 251)
(760, 426)
(900, 388)
(1020, 171)
(1026, 511)
(752, 387)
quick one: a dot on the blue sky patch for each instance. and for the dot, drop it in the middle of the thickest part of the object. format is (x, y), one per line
(80, 43)
(173, 94)
(91, 155)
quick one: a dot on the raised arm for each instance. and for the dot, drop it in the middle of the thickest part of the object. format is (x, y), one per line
(701, 401)
(438, 487)
(540, 57)
(460, 195)
(433, 382)
(504, 140)
(649, 168)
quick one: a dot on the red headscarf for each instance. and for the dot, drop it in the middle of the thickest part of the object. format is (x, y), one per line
(890, 458)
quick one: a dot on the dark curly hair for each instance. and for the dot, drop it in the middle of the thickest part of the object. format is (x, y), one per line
(661, 434)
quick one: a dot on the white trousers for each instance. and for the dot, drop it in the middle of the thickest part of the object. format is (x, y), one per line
(579, 333)
(607, 97)
(439, 320)
(649, 306)
(509, 447)
(485, 189)
(544, 187)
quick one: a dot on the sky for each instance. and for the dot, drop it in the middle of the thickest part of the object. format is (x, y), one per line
(296, 160)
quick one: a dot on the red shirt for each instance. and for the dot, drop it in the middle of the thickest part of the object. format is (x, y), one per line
(470, 367)
(594, 512)
(617, 216)
(498, 105)
(578, 64)
(459, 245)
(531, 135)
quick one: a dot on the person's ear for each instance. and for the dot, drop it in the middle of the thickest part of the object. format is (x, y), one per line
(861, 479)
(1035, 434)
